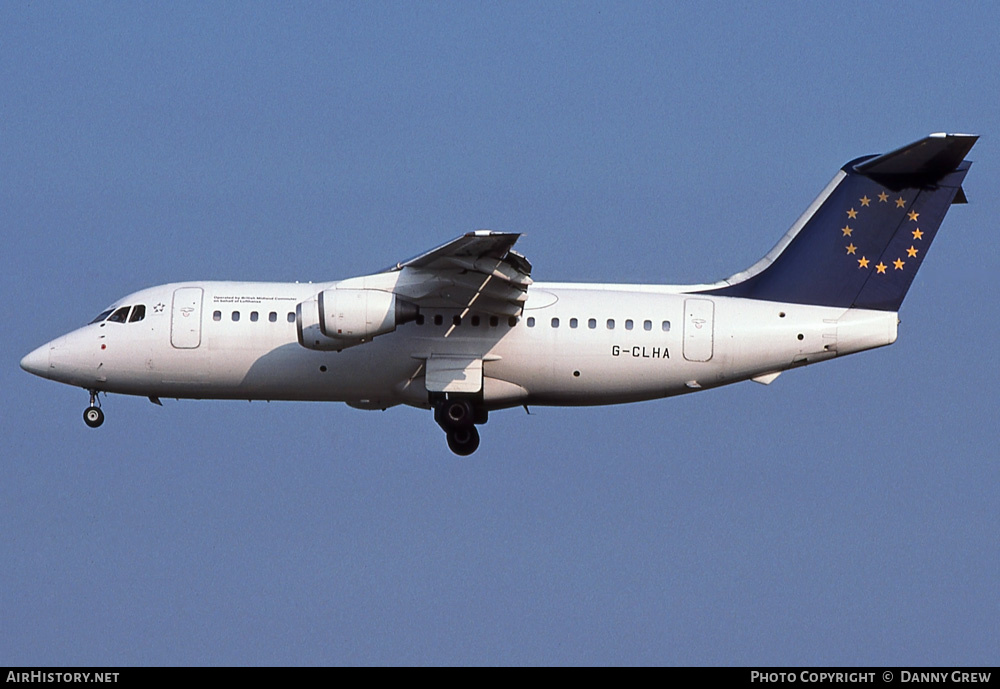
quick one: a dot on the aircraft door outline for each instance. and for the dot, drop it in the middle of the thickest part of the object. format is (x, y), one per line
(185, 318)
(699, 329)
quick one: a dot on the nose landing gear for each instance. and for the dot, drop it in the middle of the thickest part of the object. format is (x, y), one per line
(92, 415)
(458, 418)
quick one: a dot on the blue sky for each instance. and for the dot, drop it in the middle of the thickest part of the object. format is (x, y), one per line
(845, 514)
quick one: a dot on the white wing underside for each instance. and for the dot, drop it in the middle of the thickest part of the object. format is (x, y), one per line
(477, 271)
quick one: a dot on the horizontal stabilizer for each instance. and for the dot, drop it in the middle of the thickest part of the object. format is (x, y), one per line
(920, 164)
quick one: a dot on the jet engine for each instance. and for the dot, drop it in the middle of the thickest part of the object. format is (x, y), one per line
(339, 318)
(307, 326)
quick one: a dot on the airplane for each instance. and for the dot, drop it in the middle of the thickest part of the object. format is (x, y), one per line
(464, 331)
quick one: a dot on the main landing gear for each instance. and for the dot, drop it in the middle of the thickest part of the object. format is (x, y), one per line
(458, 417)
(92, 415)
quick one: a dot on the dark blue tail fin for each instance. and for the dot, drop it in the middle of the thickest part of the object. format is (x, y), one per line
(861, 242)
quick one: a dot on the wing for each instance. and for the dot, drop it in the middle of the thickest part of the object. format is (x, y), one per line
(478, 270)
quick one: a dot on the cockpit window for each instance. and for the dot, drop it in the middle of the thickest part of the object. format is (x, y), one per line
(138, 313)
(104, 314)
(119, 316)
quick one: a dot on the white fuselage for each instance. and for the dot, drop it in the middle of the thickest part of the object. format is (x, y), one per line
(574, 344)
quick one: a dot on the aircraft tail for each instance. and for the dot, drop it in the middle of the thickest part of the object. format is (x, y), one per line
(862, 240)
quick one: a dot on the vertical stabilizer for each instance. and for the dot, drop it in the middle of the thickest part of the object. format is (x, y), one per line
(867, 233)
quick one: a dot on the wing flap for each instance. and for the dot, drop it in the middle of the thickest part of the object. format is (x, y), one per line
(478, 270)
(453, 373)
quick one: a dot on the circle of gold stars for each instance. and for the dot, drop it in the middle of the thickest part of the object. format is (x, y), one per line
(863, 262)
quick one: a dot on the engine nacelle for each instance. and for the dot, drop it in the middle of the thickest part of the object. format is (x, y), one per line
(339, 318)
(307, 325)
(361, 314)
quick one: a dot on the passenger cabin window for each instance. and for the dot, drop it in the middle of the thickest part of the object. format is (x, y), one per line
(420, 319)
(555, 322)
(494, 321)
(512, 321)
(475, 321)
(456, 320)
(628, 324)
(236, 316)
(531, 321)
(253, 316)
(291, 316)
(101, 316)
(273, 317)
(573, 322)
(666, 326)
(438, 319)
(119, 316)
(592, 323)
(138, 313)
(217, 316)
(611, 324)
(647, 325)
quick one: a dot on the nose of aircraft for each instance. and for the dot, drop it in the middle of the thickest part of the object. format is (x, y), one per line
(37, 362)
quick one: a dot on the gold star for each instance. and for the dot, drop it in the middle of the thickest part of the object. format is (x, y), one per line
(865, 200)
(913, 215)
(900, 202)
(851, 248)
(917, 234)
(899, 263)
(862, 262)
(883, 197)
(847, 230)
(852, 214)
(911, 252)
(880, 267)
